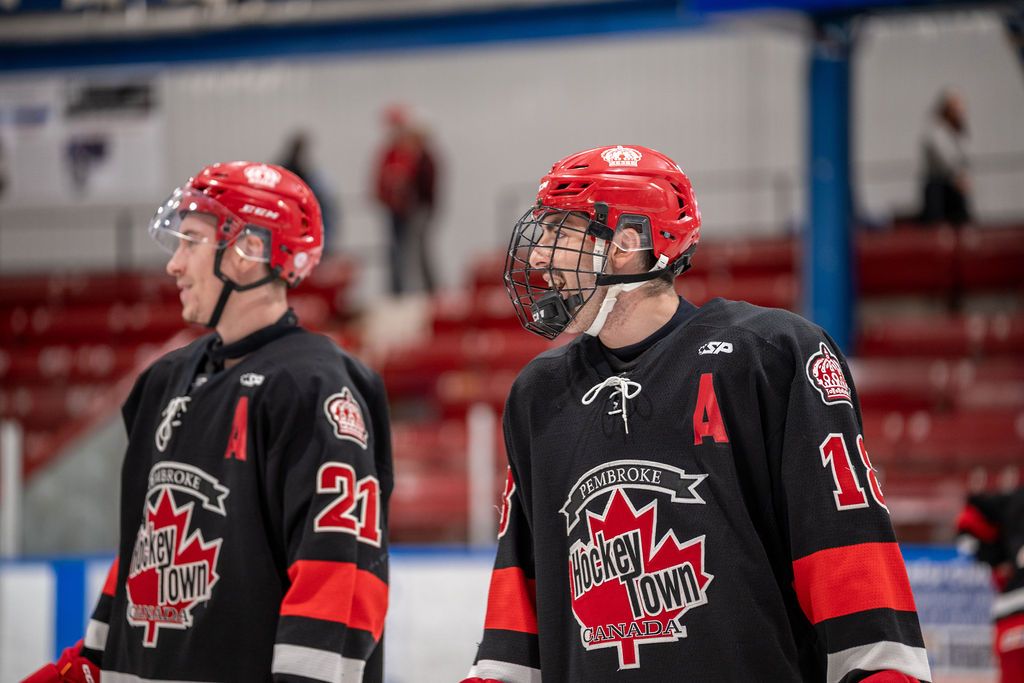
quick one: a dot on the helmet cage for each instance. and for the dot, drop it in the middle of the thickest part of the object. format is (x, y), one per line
(546, 306)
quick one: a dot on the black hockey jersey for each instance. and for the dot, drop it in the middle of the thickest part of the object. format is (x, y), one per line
(254, 501)
(705, 512)
(996, 523)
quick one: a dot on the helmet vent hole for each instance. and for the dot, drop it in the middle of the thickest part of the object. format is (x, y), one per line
(569, 189)
(579, 166)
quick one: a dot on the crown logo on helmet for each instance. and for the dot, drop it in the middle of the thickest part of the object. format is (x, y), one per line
(826, 375)
(262, 174)
(622, 156)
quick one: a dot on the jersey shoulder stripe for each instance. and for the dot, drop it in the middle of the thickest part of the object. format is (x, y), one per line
(338, 592)
(839, 581)
(511, 601)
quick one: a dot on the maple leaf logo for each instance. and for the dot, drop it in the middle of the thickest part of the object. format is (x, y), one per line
(171, 572)
(628, 591)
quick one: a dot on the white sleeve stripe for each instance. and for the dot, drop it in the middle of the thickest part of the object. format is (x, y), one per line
(319, 665)
(118, 677)
(96, 635)
(504, 671)
(880, 656)
(1008, 603)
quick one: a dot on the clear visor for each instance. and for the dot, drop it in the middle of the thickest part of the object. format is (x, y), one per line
(188, 219)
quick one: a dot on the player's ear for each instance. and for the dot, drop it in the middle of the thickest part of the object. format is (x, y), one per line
(248, 257)
(627, 249)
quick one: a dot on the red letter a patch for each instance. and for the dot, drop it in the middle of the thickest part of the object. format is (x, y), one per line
(707, 419)
(239, 428)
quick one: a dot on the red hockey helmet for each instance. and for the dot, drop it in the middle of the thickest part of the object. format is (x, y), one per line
(631, 182)
(613, 188)
(258, 199)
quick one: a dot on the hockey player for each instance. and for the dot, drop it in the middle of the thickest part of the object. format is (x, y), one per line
(689, 494)
(991, 528)
(255, 486)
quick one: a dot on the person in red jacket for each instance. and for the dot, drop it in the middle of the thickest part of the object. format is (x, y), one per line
(689, 493)
(405, 184)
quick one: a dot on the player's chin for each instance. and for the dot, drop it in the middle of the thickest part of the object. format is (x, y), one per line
(190, 314)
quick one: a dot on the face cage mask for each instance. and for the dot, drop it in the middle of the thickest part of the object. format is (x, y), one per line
(547, 306)
(166, 230)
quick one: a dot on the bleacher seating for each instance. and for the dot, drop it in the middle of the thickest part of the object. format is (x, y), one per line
(942, 393)
(70, 344)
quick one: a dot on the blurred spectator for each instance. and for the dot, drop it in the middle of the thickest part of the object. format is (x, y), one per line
(297, 159)
(991, 529)
(406, 178)
(946, 195)
(3, 169)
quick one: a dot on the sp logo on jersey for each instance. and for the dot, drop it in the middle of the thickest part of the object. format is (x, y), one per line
(825, 374)
(629, 586)
(714, 347)
(173, 567)
(345, 415)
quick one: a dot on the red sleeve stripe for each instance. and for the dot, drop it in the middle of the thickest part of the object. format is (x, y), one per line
(974, 523)
(512, 601)
(338, 592)
(838, 581)
(110, 585)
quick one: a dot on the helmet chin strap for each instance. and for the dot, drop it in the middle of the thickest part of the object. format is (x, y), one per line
(618, 284)
(228, 286)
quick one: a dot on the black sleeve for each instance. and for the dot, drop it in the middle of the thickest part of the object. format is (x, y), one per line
(509, 650)
(980, 528)
(95, 640)
(848, 572)
(331, 466)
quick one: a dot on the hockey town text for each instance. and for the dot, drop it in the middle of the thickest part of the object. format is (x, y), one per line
(176, 582)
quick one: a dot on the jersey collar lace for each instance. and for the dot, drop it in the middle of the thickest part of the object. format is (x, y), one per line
(627, 389)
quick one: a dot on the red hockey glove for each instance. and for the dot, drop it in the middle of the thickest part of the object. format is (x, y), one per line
(72, 667)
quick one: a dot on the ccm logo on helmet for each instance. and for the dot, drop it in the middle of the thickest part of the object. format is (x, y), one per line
(715, 347)
(260, 211)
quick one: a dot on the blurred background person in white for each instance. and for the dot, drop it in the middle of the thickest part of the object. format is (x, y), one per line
(946, 190)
